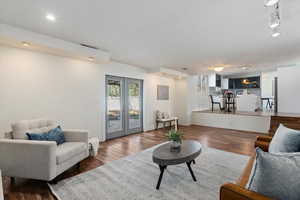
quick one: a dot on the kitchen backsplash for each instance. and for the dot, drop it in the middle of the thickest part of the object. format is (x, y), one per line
(217, 91)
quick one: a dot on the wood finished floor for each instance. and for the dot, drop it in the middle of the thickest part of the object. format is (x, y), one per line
(228, 140)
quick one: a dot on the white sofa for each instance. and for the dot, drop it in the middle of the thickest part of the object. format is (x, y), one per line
(42, 160)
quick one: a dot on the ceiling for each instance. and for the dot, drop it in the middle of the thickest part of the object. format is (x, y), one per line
(195, 34)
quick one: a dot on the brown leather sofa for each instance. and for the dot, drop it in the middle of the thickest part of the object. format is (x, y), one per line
(230, 191)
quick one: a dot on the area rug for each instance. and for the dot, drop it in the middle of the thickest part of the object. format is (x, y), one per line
(135, 177)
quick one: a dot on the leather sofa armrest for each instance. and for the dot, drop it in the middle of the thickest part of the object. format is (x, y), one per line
(263, 145)
(264, 138)
(230, 191)
(263, 142)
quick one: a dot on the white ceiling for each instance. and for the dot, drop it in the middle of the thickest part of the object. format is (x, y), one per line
(171, 33)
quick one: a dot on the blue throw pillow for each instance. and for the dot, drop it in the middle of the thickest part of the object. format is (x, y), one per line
(285, 140)
(276, 175)
(37, 136)
(55, 134)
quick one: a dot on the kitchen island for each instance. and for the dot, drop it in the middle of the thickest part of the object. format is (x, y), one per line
(258, 122)
(245, 102)
(248, 102)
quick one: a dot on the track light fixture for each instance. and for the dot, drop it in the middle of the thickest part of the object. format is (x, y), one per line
(274, 18)
(271, 2)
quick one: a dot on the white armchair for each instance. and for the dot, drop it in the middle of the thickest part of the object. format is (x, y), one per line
(42, 160)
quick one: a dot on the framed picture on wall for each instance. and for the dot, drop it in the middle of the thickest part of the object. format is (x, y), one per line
(162, 92)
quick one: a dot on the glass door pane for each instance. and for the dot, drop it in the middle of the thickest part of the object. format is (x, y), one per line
(134, 110)
(124, 106)
(114, 110)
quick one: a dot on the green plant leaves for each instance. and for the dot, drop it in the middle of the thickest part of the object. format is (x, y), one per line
(173, 135)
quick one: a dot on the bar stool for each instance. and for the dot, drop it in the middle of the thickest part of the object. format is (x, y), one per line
(230, 100)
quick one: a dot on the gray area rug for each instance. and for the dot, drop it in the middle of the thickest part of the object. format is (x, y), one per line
(135, 177)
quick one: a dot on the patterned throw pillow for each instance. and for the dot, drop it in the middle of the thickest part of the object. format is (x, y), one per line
(276, 175)
(55, 134)
(285, 140)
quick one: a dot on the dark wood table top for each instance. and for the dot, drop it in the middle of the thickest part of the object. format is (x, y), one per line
(190, 150)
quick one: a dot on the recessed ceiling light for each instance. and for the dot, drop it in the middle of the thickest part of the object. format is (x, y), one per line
(218, 69)
(275, 34)
(244, 68)
(25, 44)
(271, 2)
(50, 17)
(274, 25)
(91, 58)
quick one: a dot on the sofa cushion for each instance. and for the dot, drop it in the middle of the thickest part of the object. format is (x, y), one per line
(55, 135)
(19, 129)
(285, 140)
(68, 150)
(276, 175)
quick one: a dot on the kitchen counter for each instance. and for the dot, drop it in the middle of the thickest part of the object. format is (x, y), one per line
(245, 102)
(243, 121)
(249, 103)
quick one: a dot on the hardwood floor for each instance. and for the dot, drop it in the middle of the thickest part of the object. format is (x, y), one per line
(228, 140)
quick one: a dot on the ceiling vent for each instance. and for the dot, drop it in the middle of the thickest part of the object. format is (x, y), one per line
(170, 73)
(89, 46)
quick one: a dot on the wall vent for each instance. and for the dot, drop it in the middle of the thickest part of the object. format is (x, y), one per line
(89, 46)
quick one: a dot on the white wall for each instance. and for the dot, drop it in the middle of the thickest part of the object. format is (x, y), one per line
(197, 101)
(267, 83)
(34, 85)
(288, 89)
(151, 104)
(181, 109)
(189, 99)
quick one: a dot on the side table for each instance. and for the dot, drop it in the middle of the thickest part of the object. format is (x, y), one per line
(168, 120)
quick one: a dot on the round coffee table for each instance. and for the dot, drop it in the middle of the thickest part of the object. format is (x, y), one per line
(162, 156)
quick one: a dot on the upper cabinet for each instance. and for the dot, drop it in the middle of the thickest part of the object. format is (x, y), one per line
(214, 80)
(225, 83)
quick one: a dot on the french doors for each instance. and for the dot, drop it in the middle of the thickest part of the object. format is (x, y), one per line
(124, 106)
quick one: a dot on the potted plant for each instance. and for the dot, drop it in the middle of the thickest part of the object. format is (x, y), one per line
(176, 139)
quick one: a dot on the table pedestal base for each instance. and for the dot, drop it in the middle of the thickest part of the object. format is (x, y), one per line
(162, 169)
